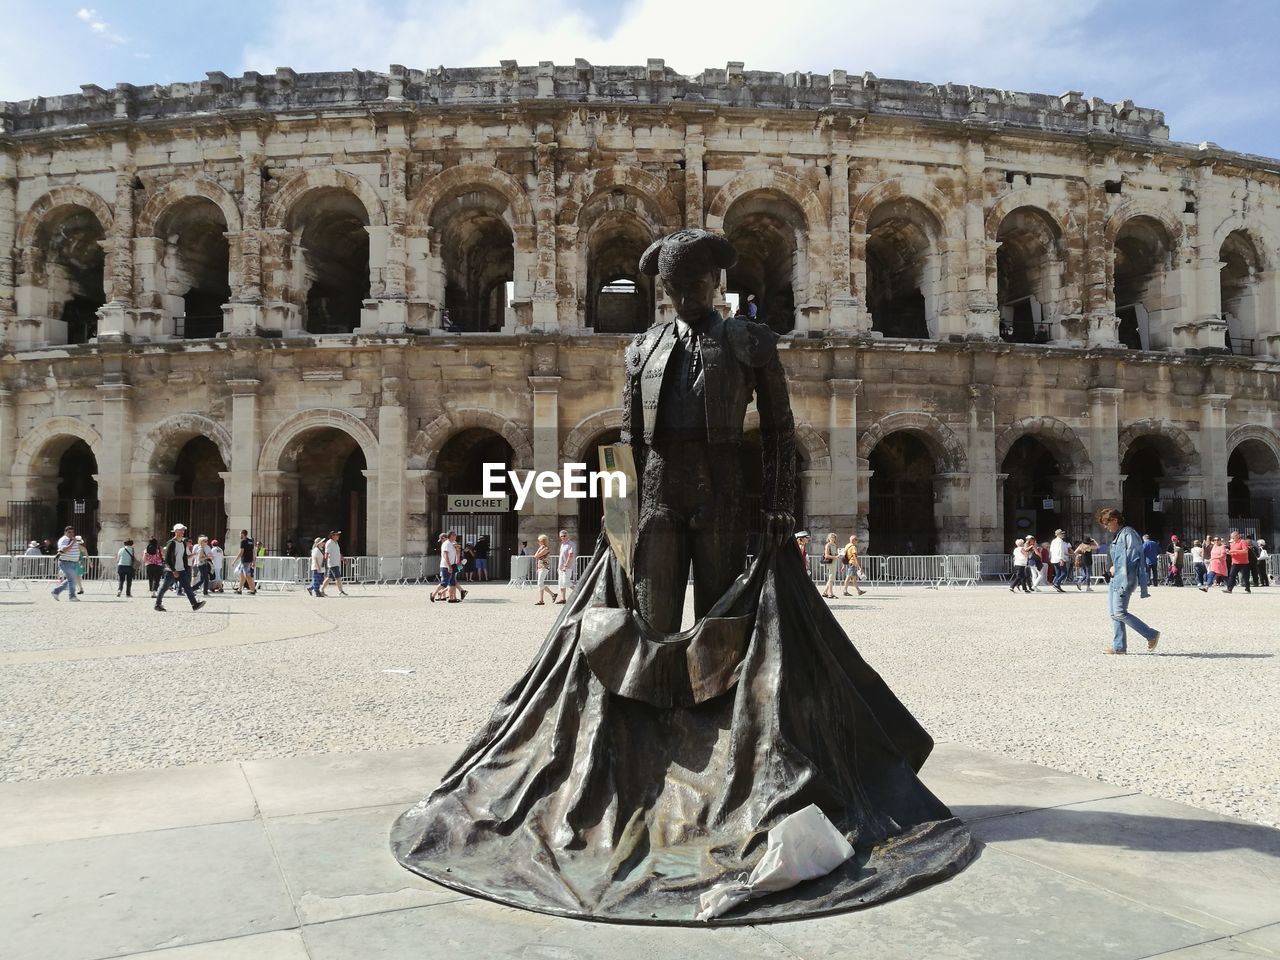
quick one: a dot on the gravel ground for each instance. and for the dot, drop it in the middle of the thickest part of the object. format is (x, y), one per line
(1023, 676)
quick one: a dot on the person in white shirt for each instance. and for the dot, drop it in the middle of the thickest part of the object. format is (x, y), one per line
(333, 562)
(218, 558)
(1198, 563)
(1261, 575)
(68, 563)
(317, 568)
(1059, 550)
(125, 559)
(450, 560)
(1020, 576)
(33, 549)
(568, 551)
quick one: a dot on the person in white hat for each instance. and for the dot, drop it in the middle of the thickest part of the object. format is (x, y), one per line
(177, 568)
(33, 549)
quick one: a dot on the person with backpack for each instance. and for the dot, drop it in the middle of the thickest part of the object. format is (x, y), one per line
(177, 569)
(125, 560)
(852, 565)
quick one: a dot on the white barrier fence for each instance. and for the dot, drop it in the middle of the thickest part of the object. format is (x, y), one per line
(287, 573)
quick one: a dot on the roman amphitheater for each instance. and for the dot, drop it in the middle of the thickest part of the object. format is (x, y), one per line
(293, 302)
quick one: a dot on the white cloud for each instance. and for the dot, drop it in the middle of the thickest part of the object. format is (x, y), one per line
(100, 27)
(84, 13)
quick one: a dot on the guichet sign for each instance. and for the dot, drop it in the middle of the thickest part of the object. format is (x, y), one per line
(460, 503)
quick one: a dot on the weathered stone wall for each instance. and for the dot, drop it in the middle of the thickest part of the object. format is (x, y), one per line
(818, 178)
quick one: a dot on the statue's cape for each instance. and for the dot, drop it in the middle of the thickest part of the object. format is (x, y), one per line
(628, 772)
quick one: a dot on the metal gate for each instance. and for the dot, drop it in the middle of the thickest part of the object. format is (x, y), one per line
(202, 515)
(31, 520)
(1186, 517)
(272, 522)
(501, 529)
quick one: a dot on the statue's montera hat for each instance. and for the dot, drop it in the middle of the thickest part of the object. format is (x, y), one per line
(688, 251)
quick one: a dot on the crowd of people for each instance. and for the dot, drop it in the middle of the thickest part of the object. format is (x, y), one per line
(181, 564)
(1052, 564)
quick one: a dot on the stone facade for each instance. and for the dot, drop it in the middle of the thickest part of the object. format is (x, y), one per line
(266, 263)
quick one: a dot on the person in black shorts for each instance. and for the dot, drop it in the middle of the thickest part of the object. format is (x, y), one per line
(244, 563)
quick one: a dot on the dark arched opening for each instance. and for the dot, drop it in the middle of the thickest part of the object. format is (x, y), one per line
(77, 501)
(1033, 501)
(1253, 488)
(328, 225)
(769, 235)
(332, 490)
(1143, 254)
(901, 270)
(492, 531)
(901, 519)
(73, 260)
(196, 263)
(198, 492)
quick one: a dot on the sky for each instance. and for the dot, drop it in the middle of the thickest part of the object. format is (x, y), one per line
(1208, 66)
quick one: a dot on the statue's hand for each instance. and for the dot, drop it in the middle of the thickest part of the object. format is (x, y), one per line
(778, 526)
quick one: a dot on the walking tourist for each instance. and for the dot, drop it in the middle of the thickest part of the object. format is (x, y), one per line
(1238, 553)
(333, 562)
(1176, 557)
(1198, 563)
(177, 569)
(853, 566)
(1217, 564)
(1082, 557)
(244, 565)
(68, 559)
(202, 564)
(441, 592)
(125, 560)
(1128, 573)
(451, 566)
(568, 551)
(315, 587)
(153, 563)
(1261, 576)
(33, 549)
(1059, 550)
(217, 559)
(829, 562)
(82, 564)
(1035, 564)
(482, 557)
(1150, 557)
(542, 560)
(1020, 566)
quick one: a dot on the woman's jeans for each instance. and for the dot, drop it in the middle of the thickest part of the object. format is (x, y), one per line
(317, 578)
(154, 572)
(124, 579)
(1121, 618)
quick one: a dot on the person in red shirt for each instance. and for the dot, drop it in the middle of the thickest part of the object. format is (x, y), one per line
(1238, 550)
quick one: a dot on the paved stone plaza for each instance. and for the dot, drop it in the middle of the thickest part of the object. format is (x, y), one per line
(219, 785)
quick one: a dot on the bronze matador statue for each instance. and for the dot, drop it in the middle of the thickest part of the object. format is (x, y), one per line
(644, 774)
(688, 383)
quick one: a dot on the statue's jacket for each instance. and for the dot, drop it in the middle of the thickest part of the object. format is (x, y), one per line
(739, 359)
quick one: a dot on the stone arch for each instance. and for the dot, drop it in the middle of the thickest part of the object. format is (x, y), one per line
(898, 188)
(32, 446)
(303, 182)
(1038, 199)
(1170, 437)
(306, 420)
(654, 193)
(430, 440)
(1254, 431)
(1264, 240)
(62, 197)
(574, 446)
(163, 441)
(813, 447)
(946, 447)
(181, 189)
(775, 181)
(1056, 435)
(1138, 207)
(458, 179)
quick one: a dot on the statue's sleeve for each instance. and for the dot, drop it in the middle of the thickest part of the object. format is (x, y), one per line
(632, 411)
(777, 429)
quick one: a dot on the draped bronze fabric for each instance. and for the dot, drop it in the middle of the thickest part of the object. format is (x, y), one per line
(628, 772)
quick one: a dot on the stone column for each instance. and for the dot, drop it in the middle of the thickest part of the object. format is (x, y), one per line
(1104, 446)
(388, 309)
(8, 450)
(1098, 296)
(861, 321)
(245, 447)
(1213, 457)
(393, 451)
(951, 496)
(113, 316)
(982, 318)
(546, 451)
(694, 174)
(843, 304)
(544, 285)
(984, 508)
(842, 428)
(242, 314)
(115, 466)
(8, 228)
